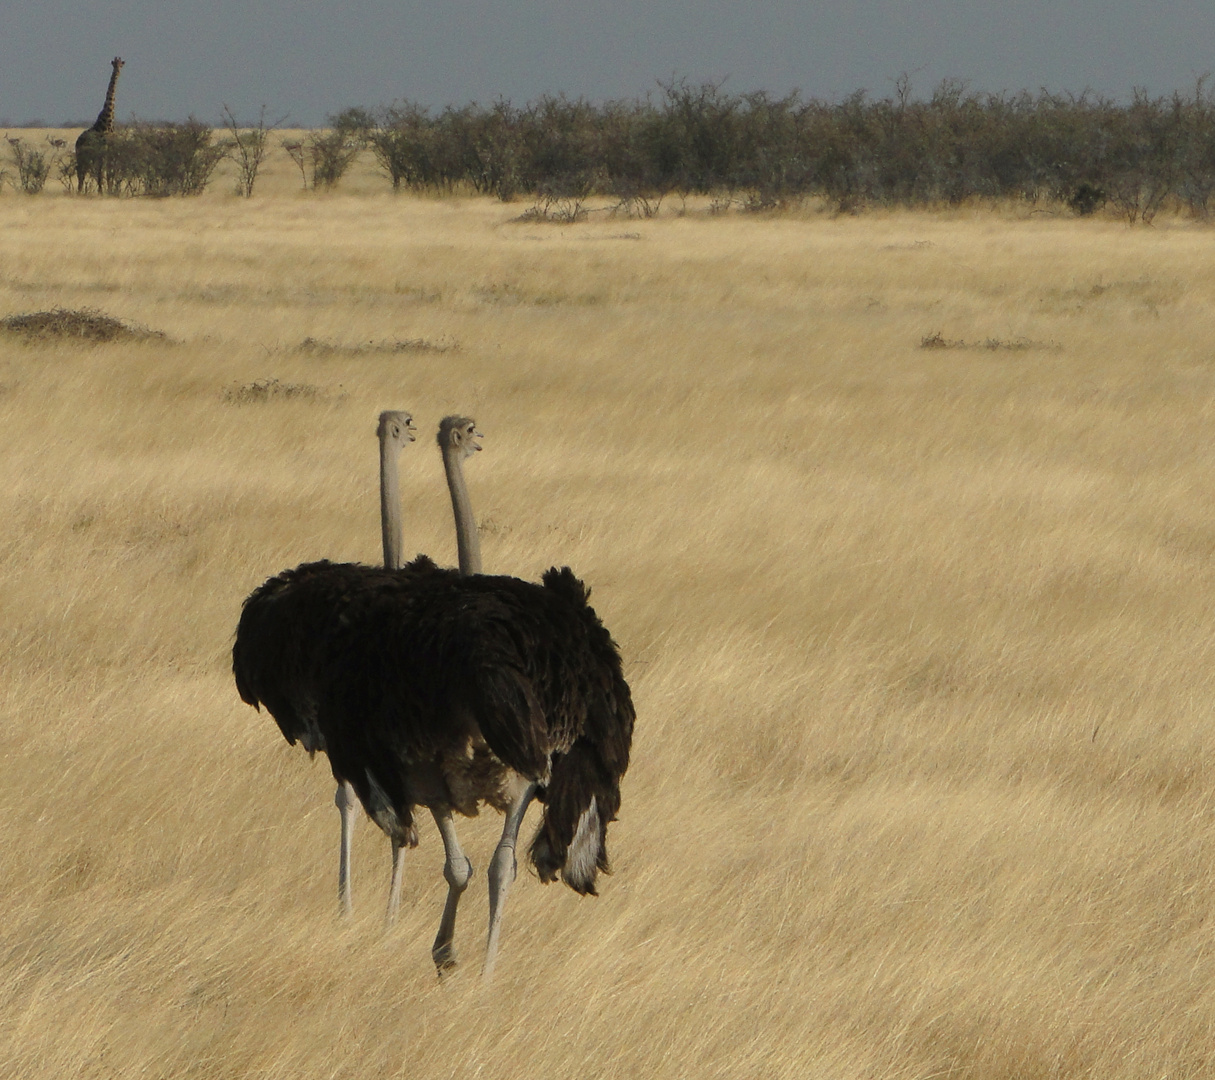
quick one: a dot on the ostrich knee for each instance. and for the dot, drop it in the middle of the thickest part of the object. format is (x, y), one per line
(458, 873)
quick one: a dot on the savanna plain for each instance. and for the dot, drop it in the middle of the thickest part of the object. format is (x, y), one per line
(920, 638)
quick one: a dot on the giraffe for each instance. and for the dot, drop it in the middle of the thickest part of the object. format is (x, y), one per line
(90, 147)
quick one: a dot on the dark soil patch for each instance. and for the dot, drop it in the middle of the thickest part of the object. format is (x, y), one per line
(271, 390)
(937, 340)
(396, 345)
(81, 324)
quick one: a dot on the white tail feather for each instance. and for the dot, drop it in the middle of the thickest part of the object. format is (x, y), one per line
(583, 852)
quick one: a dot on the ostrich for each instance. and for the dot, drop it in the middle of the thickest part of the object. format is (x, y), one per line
(279, 640)
(277, 651)
(446, 691)
(394, 429)
(436, 689)
(457, 441)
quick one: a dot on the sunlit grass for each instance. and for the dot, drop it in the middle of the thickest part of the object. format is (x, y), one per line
(919, 638)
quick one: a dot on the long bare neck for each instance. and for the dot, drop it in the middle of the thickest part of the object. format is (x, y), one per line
(390, 503)
(468, 543)
(105, 118)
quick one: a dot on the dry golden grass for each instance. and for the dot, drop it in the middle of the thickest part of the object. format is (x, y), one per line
(920, 639)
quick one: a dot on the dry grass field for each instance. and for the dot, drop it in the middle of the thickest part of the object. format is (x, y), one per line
(920, 638)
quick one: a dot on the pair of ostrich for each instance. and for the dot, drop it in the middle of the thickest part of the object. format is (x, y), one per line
(445, 689)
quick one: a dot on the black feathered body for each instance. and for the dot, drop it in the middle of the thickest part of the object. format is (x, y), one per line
(280, 643)
(425, 687)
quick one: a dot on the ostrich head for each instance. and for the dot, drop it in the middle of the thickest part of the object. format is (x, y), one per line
(396, 426)
(459, 433)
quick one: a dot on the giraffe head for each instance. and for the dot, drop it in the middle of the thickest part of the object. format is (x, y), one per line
(117, 64)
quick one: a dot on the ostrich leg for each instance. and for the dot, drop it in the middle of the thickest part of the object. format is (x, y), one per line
(400, 841)
(394, 890)
(502, 872)
(344, 799)
(457, 871)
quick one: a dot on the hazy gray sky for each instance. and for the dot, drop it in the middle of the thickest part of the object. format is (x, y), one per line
(310, 58)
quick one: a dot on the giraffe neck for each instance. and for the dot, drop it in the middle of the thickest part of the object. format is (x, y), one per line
(105, 118)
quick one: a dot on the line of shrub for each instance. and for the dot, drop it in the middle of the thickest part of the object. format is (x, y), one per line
(158, 159)
(750, 150)
(758, 151)
(140, 158)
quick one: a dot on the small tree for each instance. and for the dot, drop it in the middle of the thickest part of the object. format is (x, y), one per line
(400, 142)
(32, 166)
(356, 122)
(65, 172)
(331, 156)
(295, 151)
(247, 147)
(172, 159)
(327, 156)
(159, 159)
